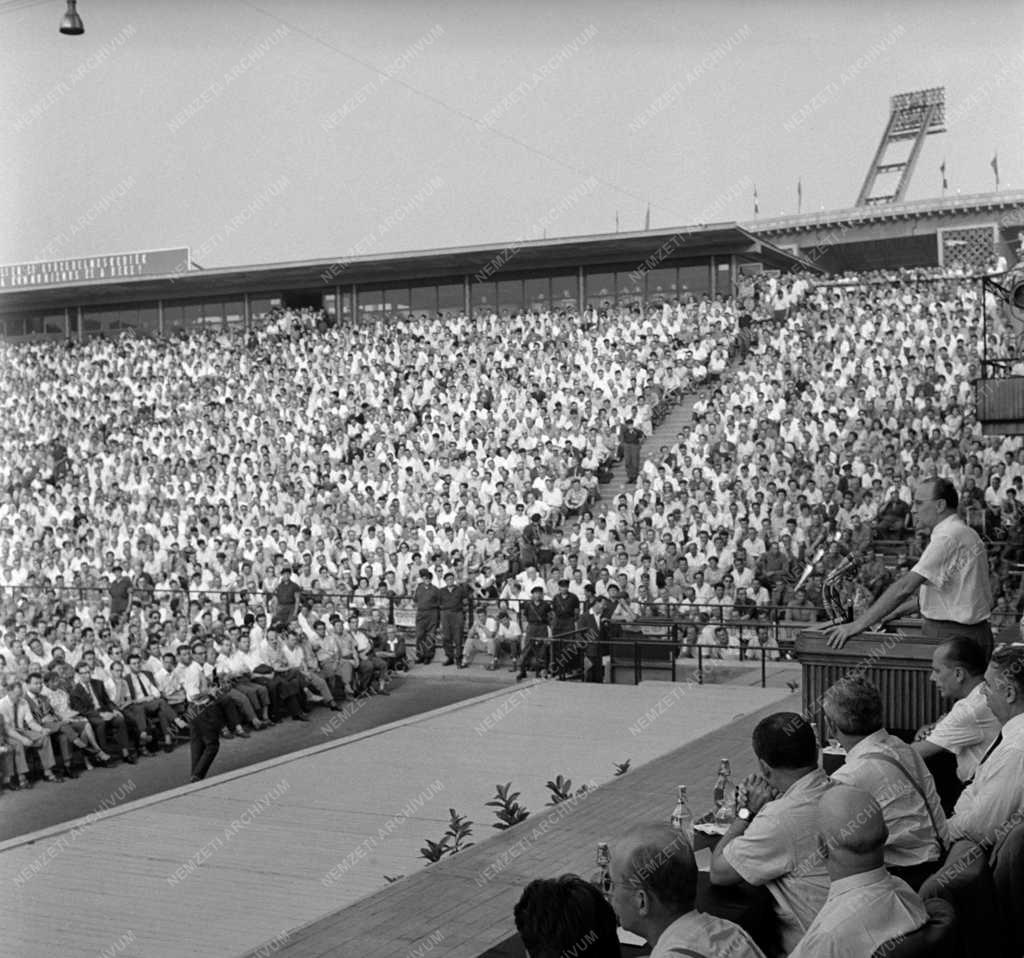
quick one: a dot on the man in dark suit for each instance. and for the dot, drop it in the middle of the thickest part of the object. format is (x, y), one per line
(537, 616)
(452, 603)
(120, 590)
(89, 698)
(44, 713)
(630, 437)
(565, 607)
(426, 596)
(287, 594)
(146, 701)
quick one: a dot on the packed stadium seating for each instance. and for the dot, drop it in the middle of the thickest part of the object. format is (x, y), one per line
(356, 455)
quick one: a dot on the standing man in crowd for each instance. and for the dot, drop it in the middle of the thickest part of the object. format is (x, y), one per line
(565, 607)
(286, 598)
(452, 603)
(530, 542)
(207, 712)
(427, 598)
(949, 583)
(120, 596)
(630, 437)
(537, 615)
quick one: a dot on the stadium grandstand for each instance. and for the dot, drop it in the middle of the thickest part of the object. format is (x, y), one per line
(733, 474)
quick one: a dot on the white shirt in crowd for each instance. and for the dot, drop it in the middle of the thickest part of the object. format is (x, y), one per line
(967, 730)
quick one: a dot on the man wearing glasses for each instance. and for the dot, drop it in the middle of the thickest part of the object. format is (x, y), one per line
(949, 583)
(652, 885)
(994, 802)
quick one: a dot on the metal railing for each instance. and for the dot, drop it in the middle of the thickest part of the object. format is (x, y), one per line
(677, 613)
(568, 654)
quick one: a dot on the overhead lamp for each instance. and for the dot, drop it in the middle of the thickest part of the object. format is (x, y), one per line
(71, 23)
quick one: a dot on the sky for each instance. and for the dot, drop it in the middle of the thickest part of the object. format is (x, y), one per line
(282, 130)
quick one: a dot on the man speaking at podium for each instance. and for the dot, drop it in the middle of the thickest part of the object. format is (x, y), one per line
(949, 584)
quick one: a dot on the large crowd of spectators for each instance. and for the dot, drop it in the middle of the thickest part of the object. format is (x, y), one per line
(157, 494)
(154, 493)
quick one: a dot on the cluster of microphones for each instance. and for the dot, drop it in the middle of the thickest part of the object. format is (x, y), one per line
(850, 561)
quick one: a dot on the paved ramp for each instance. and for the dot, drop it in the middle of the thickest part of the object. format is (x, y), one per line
(238, 862)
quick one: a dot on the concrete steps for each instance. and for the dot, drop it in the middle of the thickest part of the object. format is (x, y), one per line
(677, 420)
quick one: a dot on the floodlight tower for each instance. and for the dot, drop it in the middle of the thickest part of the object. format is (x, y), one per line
(912, 116)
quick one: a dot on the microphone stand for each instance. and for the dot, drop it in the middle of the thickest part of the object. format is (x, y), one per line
(831, 598)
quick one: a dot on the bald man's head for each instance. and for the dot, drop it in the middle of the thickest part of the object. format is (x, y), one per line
(852, 827)
(660, 859)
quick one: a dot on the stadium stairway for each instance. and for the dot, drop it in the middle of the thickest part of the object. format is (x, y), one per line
(678, 419)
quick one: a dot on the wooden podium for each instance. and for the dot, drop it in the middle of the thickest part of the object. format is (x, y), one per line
(897, 663)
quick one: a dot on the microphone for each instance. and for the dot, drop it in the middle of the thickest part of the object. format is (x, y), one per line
(819, 554)
(851, 561)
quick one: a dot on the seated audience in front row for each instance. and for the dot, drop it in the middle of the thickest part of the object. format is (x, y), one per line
(773, 840)
(563, 916)
(969, 728)
(866, 906)
(994, 802)
(24, 733)
(88, 697)
(894, 774)
(652, 885)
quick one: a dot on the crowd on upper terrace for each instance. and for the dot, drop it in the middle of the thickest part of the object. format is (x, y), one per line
(358, 454)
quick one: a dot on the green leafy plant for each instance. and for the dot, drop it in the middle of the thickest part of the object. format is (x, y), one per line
(507, 808)
(621, 767)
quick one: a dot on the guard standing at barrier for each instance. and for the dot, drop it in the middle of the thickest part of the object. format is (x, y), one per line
(452, 601)
(537, 615)
(565, 607)
(949, 583)
(426, 597)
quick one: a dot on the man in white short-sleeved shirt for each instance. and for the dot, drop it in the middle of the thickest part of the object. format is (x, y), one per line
(994, 802)
(774, 838)
(949, 583)
(969, 728)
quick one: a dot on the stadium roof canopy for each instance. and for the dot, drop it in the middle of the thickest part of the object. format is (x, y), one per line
(889, 212)
(645, 249)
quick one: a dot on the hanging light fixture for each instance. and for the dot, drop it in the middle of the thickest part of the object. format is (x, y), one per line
(71, 23)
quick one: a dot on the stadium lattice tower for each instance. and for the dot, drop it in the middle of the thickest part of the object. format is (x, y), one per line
(912, 116)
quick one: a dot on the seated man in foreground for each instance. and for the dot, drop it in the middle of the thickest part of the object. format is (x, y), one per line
(773, 840)
(866, 906)
(557, 917)
(969, 728)
(994, 802)
(652, 885)
(894, 773)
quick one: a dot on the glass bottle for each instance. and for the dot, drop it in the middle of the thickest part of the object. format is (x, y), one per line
(682, 817)
(724, 794)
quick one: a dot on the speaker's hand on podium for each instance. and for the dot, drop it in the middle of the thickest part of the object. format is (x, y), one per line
(838, 635)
